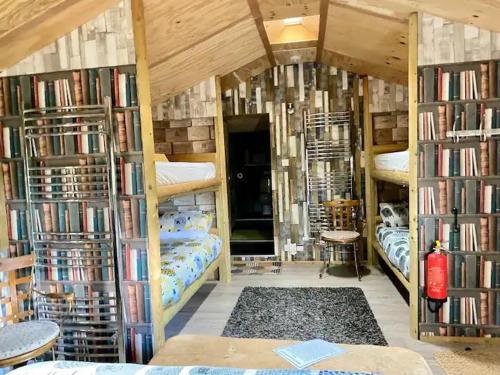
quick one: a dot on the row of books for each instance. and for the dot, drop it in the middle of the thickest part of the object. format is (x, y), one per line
(10, 96)
(484, 311)
(131, 178)
(139, 346)
(10, 142)
(139, 303)
(464, 237)
(470, 271)
(84, 87)
(13, 180)
(72, 139)
(435, 84)
(128, 134)
(133, 218)
(437, 161)
(453, 117)
(467, 196)
(135, 262)
(17, 228)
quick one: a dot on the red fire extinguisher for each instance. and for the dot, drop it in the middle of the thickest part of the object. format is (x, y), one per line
(437, 276)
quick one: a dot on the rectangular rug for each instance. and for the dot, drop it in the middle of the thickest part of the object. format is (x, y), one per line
(340, 315)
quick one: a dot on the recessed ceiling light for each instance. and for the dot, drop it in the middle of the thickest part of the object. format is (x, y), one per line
(293, 21)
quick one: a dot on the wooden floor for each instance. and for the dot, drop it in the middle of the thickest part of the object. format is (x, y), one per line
(207, 312)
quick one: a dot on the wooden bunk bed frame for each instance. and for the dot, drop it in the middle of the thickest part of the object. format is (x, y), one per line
(155, 194)
(372, 176)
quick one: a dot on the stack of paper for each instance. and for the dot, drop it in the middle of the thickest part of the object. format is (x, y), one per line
(307, 353)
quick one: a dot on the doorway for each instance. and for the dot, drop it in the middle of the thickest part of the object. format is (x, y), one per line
(250, 192)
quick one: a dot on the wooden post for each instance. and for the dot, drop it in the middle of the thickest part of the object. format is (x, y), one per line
(144, 94)
(412, 173)
(370, 186)
(221, 195)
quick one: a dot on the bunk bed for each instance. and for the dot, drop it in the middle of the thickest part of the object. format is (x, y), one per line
(390, 242)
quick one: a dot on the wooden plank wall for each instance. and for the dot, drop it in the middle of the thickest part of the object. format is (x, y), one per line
(442, 41)
(305, 86)
(107, 40)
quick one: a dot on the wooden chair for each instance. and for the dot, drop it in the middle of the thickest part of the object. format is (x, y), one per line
(20, 340)
(343, 230)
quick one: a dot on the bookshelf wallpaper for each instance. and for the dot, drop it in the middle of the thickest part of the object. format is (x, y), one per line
(319, 88)
(459, 176)
(441, 41)
(107, 40)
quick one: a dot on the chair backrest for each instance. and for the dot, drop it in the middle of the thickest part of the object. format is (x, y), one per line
(16, 287)
(342, 213)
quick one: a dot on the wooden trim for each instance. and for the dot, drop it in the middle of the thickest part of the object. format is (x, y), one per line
(221, 196)
(412, 173)
(363, 11)
(259, 23)
(460, 340)
(370, 187)
(393, 147)
(169, 312)
(323, 17)
(200, 158)
(395, 177)
(12, 264)
(144, 94)
(165, 192)
(394, 269)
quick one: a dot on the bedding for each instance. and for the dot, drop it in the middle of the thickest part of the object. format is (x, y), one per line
(394, 214)
(393, 161)
(183, 262)
(179, 221)
(395, 242)
(168, 173)
(89, 368)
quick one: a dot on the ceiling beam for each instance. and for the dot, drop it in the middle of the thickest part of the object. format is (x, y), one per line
(364, 67)
(36, 26)
(244, 73)
(323, 16)
(259, 22)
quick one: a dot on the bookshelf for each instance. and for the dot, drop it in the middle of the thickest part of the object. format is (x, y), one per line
(459, 168)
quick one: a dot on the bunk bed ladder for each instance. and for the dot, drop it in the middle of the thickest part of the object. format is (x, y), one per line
(71, 198)
(329, 164)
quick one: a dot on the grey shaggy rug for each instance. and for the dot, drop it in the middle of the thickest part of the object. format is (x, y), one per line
(340, 315)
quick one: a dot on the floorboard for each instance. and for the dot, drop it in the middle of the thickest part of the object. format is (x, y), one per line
(207, 312)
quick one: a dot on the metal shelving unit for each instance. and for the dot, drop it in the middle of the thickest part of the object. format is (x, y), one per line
(329, 163)
(72, 203)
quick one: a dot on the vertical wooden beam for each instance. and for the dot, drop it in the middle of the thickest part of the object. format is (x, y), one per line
(370, 185)
(144, 94)
(412, 172)
(221, 195)
(259, 23)
(323, 18)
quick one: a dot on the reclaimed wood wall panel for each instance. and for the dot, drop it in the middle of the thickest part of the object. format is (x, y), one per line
(304, 86)
(221, 54)
(27, 26)
(106, 40)
(174, 26)
(443, 41)
(387, 96)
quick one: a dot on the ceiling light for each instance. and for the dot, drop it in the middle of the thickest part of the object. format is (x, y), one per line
(293, 21)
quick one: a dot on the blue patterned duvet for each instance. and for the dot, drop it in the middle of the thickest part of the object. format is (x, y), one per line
(87, 368)
(395, 243)
(183, 262)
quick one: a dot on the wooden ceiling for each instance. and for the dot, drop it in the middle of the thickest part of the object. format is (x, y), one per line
(187, 41)
(28, 25)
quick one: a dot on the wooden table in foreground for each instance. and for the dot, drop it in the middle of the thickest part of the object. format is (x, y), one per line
(194, 350)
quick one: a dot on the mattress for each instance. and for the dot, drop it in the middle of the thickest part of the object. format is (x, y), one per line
(168, 173)
(393, 161)
(184, 262)
(395, 242)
